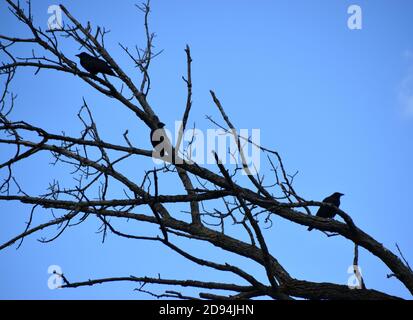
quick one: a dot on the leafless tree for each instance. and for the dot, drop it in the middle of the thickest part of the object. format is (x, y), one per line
(206, 191)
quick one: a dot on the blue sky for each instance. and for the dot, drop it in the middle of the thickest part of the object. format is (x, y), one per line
(336, 103)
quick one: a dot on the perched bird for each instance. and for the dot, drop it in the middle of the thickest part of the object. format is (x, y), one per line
(157, 139)
(94, 65)
(327, 212)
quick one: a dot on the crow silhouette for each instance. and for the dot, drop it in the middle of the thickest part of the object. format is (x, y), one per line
(94, 65)
(327, 212)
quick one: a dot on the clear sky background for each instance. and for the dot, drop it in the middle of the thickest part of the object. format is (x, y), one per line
(336, 103)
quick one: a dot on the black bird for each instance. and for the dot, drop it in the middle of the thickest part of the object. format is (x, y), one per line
(94, 65)
(157, 140)
(327, 212)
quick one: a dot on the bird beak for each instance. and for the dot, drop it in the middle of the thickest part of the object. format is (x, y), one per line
(341, 194)
(78, 55)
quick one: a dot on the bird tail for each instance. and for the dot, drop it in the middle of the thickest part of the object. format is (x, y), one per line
(310, 228)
